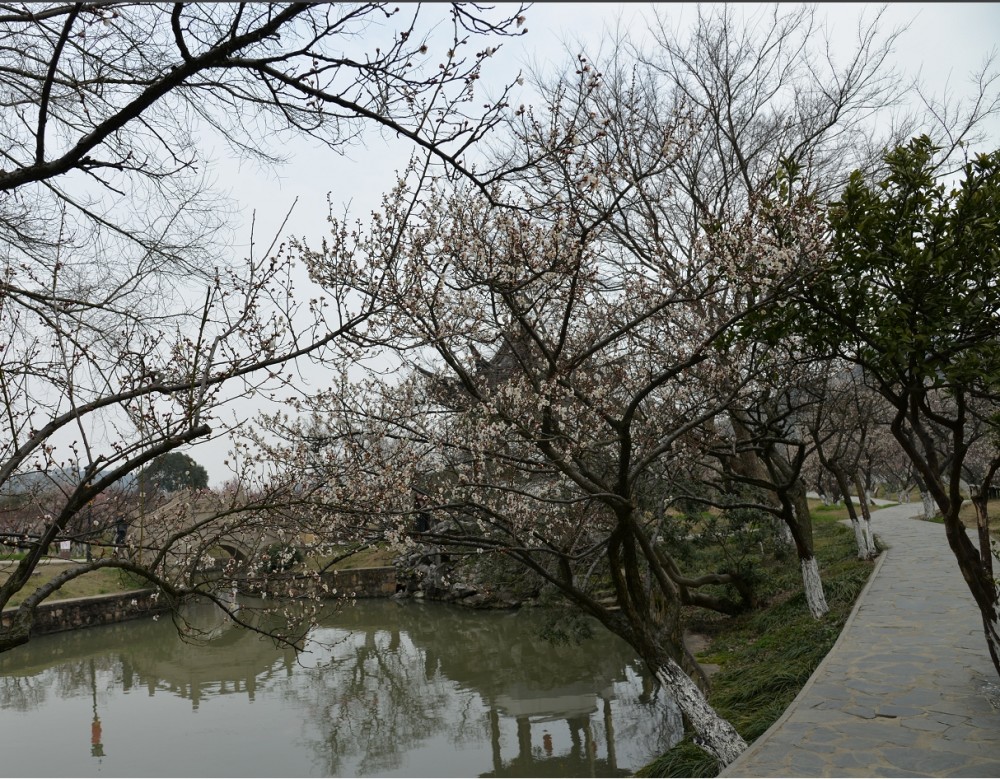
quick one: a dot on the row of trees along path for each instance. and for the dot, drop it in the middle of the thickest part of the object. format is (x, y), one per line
(907, 689)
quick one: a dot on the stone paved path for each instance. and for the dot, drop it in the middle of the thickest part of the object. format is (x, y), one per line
(908, 689)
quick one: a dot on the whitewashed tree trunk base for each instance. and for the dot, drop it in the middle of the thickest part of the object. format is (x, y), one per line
(929, 508)
(859, 538)
(813, 585)
(869, 540)
(716, 736)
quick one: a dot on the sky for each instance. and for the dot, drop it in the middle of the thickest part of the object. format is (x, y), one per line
(944, 44)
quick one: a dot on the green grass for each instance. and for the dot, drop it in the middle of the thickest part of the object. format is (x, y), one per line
(766, 657)
(834, 511)
(375, 557)
(968, 516)
(378, 557)
(100, 582)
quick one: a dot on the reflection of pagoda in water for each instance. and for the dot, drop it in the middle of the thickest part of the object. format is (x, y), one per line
(519, 675)
(96, 736)
(582, 758)
(191, 669)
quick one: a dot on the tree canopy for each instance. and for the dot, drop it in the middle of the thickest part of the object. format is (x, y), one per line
(911, 290)
(126, 323)
(171, 472)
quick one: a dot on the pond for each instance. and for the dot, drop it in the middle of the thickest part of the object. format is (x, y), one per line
(385, 689)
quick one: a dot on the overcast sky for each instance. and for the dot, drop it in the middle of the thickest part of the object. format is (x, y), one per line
(944, 44)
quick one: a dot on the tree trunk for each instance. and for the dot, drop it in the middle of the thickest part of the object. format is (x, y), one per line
(866, 522)
(980, 501)
(660, 653)
(859, 532)
(813, 585)
(928, 500)
(715, 735)
(785, 532)
(982, 585)
(946, 496)
(991, 628)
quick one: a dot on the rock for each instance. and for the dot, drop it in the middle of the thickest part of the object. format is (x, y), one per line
(463, 590)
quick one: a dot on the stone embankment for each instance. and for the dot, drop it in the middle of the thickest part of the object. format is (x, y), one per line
(349, 582)
(91, 611)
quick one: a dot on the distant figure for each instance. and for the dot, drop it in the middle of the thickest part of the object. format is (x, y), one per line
(423, 518)
(121, 528)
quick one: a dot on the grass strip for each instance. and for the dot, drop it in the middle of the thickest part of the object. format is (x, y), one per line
(766, 657)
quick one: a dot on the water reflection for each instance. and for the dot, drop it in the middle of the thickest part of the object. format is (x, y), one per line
(385, 689)
(96, 745)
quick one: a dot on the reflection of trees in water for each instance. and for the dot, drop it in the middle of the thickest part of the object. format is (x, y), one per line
(371, 695)
(451, 672)
(145, 654)
(213, 657)
(382, 679)
(22, 693)
(499, 653)
(648, 735)
(24, 687)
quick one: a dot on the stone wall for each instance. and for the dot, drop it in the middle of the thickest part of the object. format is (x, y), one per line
(351, 583)
(123, 606)
(364, 582)
(88, 612)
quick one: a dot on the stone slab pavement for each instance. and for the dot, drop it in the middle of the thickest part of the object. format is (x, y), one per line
(908, 689)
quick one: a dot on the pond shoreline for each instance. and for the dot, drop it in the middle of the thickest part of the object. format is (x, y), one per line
(91, 611)
(55, 616)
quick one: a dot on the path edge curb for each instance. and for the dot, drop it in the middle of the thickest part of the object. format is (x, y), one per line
(732, 770)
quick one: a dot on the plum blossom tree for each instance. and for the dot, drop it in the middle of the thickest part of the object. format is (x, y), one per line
(551, 372)
(125, 324)
(776, 112)
(773, 126)
(559, 351)
(844, 421)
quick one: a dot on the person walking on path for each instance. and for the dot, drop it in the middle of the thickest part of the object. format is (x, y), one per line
(908, 689)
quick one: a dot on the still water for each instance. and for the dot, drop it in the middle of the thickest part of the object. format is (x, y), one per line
(386, 689)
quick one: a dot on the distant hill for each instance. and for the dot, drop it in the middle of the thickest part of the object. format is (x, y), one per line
(34, 481)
